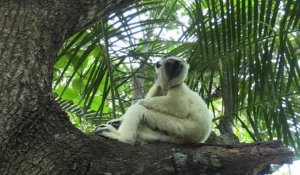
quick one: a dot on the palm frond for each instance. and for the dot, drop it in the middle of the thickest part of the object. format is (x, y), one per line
(251, 44)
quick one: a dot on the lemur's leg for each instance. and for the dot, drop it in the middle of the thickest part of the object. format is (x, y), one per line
(131, 122)
(107, 130)
(147, 135)
(127, 131)
(138, 114)
(167, 123)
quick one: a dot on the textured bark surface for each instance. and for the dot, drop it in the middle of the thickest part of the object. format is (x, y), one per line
(36, 136)
(168, 159)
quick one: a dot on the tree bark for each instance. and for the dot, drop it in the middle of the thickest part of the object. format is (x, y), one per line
(168, 159)
(35, 134)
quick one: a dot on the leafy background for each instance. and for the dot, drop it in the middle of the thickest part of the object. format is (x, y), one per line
(243, 56)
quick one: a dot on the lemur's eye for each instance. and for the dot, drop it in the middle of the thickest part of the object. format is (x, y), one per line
(157, 65)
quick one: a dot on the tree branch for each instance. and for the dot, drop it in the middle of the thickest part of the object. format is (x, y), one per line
(161, 158)
(93, 10)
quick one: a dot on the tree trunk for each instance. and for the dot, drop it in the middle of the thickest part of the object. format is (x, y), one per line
(35, 134)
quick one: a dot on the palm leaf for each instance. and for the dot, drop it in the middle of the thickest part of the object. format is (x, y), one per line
(255, 59)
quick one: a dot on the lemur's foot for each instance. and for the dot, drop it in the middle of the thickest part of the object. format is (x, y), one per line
(115, 122)
(107, 131)
(101, 128)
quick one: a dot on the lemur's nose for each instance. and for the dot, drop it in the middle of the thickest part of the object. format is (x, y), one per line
(173, 63)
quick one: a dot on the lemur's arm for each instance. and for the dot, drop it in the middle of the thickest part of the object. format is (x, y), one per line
(174, 103)
(154, 91)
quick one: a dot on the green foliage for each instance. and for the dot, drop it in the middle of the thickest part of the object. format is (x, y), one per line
(247, 49)
(243, 55)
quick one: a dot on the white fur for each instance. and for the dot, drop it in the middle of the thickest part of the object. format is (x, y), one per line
(171, 112)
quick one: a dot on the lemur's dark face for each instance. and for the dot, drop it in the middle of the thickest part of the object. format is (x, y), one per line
(172, 68)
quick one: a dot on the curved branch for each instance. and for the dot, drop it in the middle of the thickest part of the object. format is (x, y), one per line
(93, 10)
(161, 158)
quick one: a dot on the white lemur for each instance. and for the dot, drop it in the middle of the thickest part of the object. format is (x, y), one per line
(171, 112)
